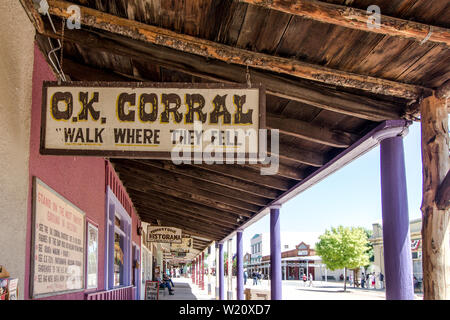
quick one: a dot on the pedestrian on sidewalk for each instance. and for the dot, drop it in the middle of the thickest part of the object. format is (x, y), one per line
(255, 278)
(311, 280)
(304, 279)
(245, 277)
(381, 280)
(372, 278)
(363, 280)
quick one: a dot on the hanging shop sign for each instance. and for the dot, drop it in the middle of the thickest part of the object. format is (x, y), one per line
(58, 245)
(186, 244)
(163, 234)
(152, 120)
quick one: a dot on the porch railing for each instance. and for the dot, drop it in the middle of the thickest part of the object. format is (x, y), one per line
(125, 293)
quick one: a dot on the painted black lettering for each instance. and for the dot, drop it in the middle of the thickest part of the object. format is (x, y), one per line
(130, 135)
(167, 100)
(148, 136)
(239, 117)
(121, 101)
(69, 134)
(191, 101)
(68, 99)
(87, 106)
(119, 135)
(98, 135)
(145, 99)
(220, 109)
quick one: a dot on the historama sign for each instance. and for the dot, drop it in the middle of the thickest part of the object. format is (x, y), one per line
(150, 119)
(163, 234)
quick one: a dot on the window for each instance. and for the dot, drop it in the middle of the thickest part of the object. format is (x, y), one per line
(118, 267)
(92, 256)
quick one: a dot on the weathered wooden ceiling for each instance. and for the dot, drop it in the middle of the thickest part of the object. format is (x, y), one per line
(327, 85)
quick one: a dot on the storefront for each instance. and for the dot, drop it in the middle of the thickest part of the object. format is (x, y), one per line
(71, 219)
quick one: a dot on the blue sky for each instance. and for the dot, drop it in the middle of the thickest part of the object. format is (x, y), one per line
(349, 197)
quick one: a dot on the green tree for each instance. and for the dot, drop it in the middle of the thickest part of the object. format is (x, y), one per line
(343, 247)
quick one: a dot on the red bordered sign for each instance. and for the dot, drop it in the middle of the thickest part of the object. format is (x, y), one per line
(151, 290)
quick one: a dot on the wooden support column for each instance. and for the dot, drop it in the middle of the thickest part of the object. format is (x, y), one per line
(435, 220)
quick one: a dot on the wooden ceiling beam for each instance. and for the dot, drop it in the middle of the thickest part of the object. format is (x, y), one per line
(159, 214)
(178, 224)
(142, 204)
(308, 93)
(298, 155)
(188, 183)
(213, 50)
(241, 172)
(283, 171)
(358, 19)
(307, 131)
(179, 206)
(200, 199)
(214, 178)
(182, 212)
(222, 202)
(33, 15)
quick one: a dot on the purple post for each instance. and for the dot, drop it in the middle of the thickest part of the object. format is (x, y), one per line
(396, 238)
(221, 278)
(275, 253)
(240, 267)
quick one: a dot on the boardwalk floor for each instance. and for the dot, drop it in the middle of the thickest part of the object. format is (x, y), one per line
(184, 290)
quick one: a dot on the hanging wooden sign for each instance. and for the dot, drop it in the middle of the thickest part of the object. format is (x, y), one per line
(163, 234)
(151, 120)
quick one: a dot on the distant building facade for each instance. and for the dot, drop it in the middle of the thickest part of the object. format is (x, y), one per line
(298, 256)
(415, 227)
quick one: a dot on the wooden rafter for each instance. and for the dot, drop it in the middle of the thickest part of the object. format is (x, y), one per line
(353, 18)
(188, 221)
(240, 172)
(154, 174)
(33, 15)
(283, 171)
(198, 195)
(179, 224)
(218, 179)
(161, 199)
(213, 50)
(180, 214)
(310, 132)
(317, 96)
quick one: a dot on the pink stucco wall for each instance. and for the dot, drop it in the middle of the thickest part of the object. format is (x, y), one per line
(81, 180)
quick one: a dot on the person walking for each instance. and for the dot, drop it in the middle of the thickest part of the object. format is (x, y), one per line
(363, 280)
(350, 278)
(255, 278)
(245, 277)
(304, 279)
(311, 280)
(381, 281)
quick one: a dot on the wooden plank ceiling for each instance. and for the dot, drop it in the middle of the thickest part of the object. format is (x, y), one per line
(377, 77)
